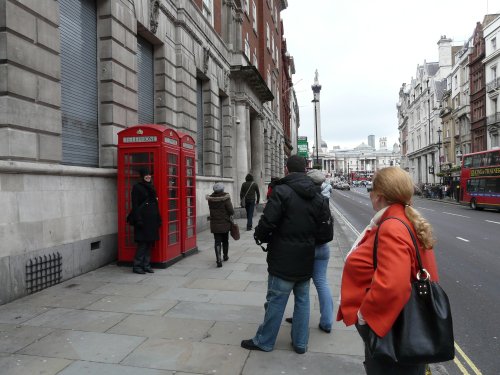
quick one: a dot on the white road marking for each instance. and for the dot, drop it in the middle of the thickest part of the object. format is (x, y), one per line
(423, 208)
(463, 239)
(449, 213)
(494, 222)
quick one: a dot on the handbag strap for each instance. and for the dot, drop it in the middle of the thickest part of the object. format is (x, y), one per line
(419, 260)
(248, 190)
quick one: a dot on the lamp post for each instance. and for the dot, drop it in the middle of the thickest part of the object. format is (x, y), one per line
(439, 131)
(316, 128)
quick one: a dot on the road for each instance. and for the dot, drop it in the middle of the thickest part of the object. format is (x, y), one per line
(468, 256)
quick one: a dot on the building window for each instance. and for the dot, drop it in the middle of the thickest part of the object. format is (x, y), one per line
(208, 10)
(254, 15)
(268, 76)
(200, 126)
(272, 46)
(79, 101)
(246, 4)
(145, 81)
(247, 47)
(268, 36)
(493, 72)
(494, 44)
(255, 61)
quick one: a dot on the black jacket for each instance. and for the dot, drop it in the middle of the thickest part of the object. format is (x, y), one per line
(288, 225)
(221, 209)
(253, 191)
(146, 212)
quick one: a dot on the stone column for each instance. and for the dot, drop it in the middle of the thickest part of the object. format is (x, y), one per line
(242, 143)
(257, 151)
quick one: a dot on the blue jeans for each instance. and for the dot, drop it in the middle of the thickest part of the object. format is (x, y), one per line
(249, 207)
(320, 279)
(278, 291)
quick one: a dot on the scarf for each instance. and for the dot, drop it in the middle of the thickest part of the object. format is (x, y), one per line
(373, 223)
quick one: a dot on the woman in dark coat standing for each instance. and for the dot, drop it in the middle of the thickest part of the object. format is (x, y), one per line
(221, 210)
(147, 220)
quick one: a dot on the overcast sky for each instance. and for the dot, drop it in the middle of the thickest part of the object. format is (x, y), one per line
(364, 51)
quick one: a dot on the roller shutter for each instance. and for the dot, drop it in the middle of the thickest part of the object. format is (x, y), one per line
(145, 81)
(78, 27)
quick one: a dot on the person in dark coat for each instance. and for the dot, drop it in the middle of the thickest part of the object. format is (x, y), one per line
(147, 220)
(249, 196)
(288, 225)
(221, 210)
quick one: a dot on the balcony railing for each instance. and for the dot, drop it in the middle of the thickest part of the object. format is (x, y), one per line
(493, 119)
(493, 85)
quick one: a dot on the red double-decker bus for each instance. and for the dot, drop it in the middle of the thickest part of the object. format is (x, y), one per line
(480, 180)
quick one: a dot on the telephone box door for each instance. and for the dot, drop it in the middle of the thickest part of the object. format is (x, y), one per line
(172, 219)
(188, 195)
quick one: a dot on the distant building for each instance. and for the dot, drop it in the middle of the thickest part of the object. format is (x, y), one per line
(362, 161)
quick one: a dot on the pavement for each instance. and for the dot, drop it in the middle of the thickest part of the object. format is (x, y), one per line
(186, 319)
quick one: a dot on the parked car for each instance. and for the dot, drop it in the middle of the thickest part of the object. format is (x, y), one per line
(344, 186)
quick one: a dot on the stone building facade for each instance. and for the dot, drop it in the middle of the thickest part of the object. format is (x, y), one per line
(73, 73)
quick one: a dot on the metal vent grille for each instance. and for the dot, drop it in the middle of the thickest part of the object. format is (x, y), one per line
(42, 272)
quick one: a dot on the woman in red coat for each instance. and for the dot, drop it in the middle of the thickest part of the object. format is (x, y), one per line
(374, 298)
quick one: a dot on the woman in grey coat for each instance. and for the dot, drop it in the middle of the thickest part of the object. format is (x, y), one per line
(221, 210)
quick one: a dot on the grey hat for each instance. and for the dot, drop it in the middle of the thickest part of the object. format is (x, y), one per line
(317, 176)
(218, 187)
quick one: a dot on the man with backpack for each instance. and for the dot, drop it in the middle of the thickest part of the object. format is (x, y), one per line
(288, 225)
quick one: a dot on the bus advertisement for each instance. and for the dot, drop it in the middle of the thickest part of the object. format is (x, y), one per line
(480, 180)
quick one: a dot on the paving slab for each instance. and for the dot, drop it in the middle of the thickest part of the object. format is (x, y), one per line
(89, 346)
(197, 357)
(133, 305)
(51, 298)
(20, 311)
(215, 273)
(93, 368)
(289, 363)
(163, 327)
(249, 276)
(15, 337)
(95, 321)
(16, 364)
(129, 290)
(215, 284)
(211, 311)
(345, 342)
(184, 294)
(239, 298)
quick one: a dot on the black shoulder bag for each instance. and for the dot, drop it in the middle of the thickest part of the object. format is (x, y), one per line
(423, 331)
(131, 215)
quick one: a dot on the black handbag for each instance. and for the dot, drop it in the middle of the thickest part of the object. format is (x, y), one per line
(423, 331)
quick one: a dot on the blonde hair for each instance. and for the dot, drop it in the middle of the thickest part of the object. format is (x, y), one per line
(396, 186)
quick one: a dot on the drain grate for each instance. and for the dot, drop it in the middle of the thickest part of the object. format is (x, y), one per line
(42, 272)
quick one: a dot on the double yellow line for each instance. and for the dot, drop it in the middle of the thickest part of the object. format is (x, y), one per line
(460, 355)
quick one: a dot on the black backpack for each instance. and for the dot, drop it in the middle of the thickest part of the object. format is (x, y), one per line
(324, 230)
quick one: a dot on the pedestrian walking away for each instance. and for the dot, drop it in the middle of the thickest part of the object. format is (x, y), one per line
(221, 212)
(146, 219)
(288, 226)
(372, 298)
(249, 196)
(321, 258)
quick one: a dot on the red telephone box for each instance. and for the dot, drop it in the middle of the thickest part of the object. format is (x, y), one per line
(188, 193)
(156, 147)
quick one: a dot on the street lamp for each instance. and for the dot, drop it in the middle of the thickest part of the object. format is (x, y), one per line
(316, 128)
(439, 131)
